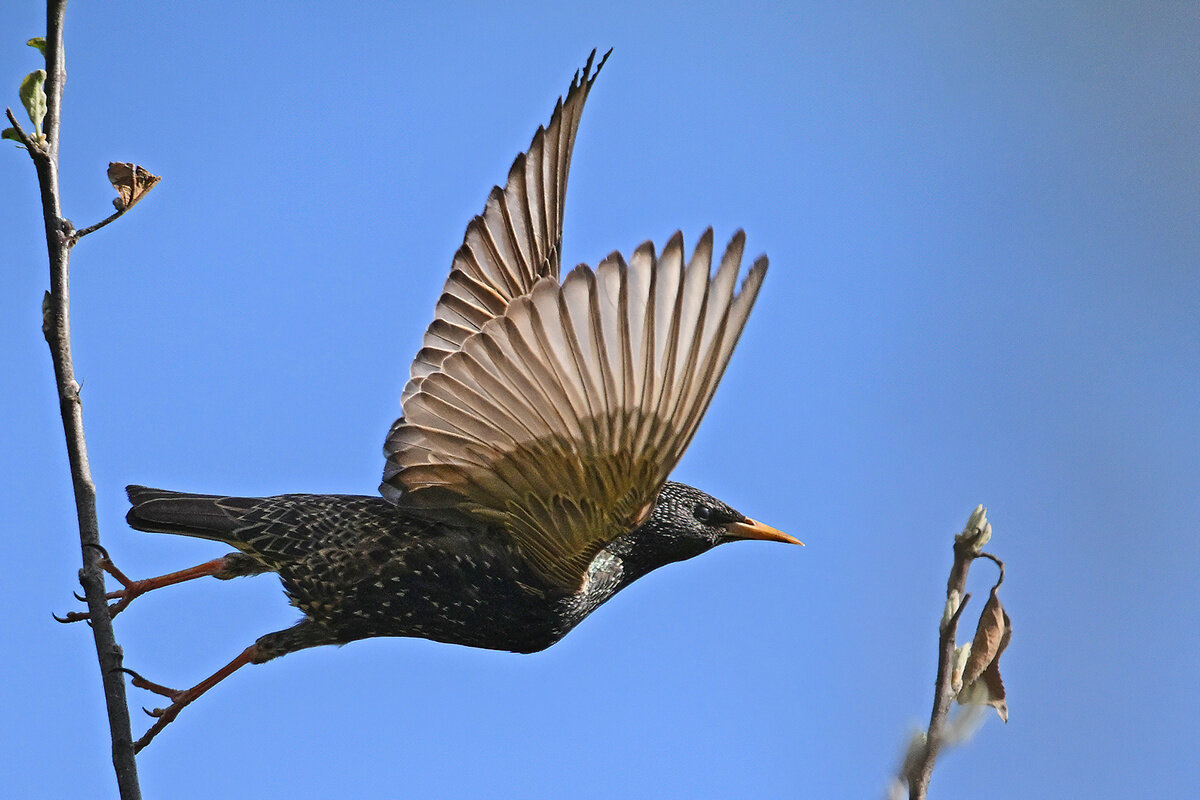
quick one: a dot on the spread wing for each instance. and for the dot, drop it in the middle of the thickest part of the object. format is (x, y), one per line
(558, 423)
(516, 240)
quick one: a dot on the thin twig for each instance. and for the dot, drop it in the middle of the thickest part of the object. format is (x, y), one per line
(918, 766)
(922, 769)
(93, 228)
(57, 328)
(998, 563)
(20, 131)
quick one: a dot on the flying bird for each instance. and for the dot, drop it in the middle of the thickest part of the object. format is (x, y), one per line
(526, 482)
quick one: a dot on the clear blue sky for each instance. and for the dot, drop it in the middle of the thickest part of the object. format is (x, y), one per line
(984, 232)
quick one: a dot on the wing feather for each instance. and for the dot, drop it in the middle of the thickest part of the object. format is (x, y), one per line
(554, 412)
(558, 422)
(514, 242)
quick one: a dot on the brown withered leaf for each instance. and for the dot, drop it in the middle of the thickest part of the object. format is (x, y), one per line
(988, 635)
(131, 182)
(991, 678)
(988, 690)
(981, 683)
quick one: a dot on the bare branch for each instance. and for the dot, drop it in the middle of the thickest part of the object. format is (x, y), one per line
(93, 228)
(917, 768)
(20, 131)
(60, 237)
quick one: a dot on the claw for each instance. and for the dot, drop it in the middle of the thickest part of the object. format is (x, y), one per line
(130, 673)
(86, 616)
(124, 596)
(105, 563)
(73, 616)
(150, 686)
(100, 547)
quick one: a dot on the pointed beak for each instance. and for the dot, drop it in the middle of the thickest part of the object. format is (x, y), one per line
(756, 530)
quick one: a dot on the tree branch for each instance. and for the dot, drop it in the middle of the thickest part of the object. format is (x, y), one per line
(93, 228)
(57, 329)
(917, 768)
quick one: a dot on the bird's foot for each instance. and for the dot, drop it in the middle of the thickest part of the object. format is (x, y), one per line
(163, 716)
(179, 699)
(124, 596)
(131, 589)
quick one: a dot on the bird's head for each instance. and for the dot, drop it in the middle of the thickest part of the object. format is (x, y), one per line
(686, 522)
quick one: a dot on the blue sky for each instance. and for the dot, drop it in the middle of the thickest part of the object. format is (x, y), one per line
(984, 228)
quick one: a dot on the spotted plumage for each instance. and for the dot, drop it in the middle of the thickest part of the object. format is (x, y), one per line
(358, 569)
(526, 482)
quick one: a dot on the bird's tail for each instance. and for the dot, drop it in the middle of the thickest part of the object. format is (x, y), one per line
(201, 515)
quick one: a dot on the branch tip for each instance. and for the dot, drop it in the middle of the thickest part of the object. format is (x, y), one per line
(968, 674)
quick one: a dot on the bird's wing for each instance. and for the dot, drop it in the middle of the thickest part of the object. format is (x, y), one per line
(516, 240)
(560, 421)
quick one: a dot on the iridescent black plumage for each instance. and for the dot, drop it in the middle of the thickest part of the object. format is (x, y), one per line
(359, 568)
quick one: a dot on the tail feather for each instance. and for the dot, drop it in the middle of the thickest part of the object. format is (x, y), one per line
(200, 515)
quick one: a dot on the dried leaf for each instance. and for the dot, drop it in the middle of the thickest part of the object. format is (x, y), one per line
(988, 634)
(991, 679)
(987, 691)
(981, 683)
(131, 182)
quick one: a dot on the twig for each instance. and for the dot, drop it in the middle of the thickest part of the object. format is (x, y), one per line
(93, 228)
(17, 127)
(918, 764)
(60, 237)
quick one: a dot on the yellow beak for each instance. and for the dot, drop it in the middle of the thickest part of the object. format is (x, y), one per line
(751, 529)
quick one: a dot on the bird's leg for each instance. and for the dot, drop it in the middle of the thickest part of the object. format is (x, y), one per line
(179, 699)
(132, 589)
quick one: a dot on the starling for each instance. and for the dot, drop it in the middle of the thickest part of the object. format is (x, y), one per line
(526, 482)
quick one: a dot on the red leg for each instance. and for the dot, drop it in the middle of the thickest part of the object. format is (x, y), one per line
(132, 589)
(179, 699)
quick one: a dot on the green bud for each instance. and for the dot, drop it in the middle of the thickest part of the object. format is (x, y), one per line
(40, 43)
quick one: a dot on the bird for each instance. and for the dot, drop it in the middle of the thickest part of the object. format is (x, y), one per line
(527, 480)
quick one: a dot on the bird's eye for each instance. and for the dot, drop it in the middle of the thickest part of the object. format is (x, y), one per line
(704, 513)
